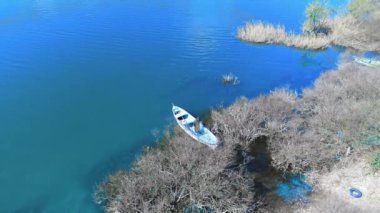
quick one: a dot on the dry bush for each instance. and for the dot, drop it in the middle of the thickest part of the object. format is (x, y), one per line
(314, 131)
(176, 176)
(246, 120)
(358, 34)
(341, 109)
(346, 101)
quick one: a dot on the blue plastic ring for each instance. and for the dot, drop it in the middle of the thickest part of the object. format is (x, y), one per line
(356, 193)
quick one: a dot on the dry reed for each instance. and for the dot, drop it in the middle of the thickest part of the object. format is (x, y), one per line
(346, 31)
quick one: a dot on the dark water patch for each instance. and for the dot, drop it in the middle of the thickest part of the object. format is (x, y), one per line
(275, 186)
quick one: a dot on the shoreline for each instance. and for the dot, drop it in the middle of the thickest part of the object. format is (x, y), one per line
(280, 117)
(345, 30)
(322, 134)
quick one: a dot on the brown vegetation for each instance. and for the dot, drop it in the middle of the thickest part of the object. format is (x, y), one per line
(344, 30)
(363, 35)
(334, 119)
(315, 131)
(259, 32)
(178, 175)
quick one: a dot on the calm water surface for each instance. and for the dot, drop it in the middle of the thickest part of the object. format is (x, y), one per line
(84, 84)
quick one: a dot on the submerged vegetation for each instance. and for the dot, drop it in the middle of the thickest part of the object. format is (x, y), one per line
(230, 79)
(354, 29)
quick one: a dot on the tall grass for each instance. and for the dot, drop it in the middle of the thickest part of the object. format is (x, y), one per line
(259, 32)
(344, 30)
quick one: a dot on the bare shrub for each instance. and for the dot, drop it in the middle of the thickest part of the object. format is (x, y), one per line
(181, 174)
(314, 131)
(341, 109)
(246, 120)
(345, 101)
(362, 35)
(361, 8)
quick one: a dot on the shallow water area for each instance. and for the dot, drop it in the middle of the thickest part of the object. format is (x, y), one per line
(84, 84)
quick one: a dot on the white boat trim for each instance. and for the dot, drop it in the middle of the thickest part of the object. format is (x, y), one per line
(367, 62)
(186, 121)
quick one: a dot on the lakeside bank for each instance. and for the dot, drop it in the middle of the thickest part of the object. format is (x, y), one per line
(353, 28)
(328, 130)
(313, 131)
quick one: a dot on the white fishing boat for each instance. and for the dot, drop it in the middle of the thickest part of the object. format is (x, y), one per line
(367, 62)
(194, 128)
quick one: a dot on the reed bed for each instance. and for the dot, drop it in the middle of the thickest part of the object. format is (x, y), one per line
(346, 31)
(259, 32)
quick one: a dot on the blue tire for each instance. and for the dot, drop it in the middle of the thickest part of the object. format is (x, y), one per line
(356, 193)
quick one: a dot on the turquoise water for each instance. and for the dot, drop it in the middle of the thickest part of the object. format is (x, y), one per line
(84, 85)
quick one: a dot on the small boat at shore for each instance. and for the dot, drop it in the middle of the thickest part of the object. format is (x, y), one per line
(194, 128)
(367, 62)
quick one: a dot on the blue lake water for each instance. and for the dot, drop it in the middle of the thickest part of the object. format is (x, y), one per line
(85, 84)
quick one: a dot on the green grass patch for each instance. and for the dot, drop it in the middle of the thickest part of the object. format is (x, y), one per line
(374, 160)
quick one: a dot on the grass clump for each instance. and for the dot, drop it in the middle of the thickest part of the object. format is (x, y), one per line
(374, 160)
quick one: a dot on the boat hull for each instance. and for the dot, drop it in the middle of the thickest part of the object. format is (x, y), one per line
(187, 122)
(367, 62)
